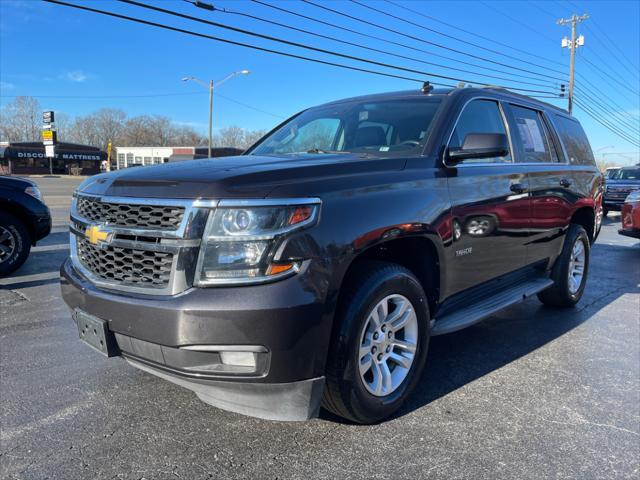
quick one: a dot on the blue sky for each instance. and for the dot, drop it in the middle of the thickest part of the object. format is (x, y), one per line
(56, 53)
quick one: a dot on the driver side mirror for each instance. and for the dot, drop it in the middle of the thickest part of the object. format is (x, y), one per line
(479, 145)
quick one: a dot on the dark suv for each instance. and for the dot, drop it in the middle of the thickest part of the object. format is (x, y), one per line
(620, 184)
(24, 219)
(314, 268)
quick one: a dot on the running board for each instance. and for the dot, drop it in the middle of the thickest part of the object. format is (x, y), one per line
(459, 319)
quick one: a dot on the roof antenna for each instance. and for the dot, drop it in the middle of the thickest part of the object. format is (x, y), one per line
(426, 87)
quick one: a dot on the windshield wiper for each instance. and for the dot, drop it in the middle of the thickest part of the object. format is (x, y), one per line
(318, 150)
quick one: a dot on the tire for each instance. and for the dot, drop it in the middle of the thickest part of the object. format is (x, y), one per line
(564, 293)
(605, 212)
(15, 243)
(357, 396)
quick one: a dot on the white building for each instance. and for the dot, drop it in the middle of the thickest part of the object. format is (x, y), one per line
(129, 156)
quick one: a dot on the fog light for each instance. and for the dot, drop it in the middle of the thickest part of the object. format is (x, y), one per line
(239, 359)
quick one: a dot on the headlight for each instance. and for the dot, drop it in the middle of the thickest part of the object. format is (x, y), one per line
(240, 238)
(633, 197)
(34, 192)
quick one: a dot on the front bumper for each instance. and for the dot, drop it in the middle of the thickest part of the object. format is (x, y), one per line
(41, 224)
(630, 232)
(289, 319)
(613, 204)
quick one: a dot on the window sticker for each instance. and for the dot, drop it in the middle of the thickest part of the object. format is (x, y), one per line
(531, 135)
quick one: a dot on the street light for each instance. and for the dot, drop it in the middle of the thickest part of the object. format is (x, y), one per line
(211, 85)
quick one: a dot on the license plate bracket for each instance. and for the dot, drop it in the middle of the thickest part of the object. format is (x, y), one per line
(95, 332)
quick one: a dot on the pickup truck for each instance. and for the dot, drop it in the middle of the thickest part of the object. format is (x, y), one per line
(313, 269)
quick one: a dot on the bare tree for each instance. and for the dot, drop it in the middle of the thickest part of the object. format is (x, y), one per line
(109, 123)
(230, 137)
(187, 136)
(252, 136)
(64, 127)
(21, 120)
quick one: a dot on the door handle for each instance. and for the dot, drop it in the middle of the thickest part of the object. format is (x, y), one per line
(565, 183)
(517, 188)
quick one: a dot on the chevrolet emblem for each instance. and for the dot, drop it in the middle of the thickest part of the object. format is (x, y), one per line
(95, 234)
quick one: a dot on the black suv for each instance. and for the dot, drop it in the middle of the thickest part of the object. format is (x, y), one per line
(24, 219)
(620, 184)
(314, 268)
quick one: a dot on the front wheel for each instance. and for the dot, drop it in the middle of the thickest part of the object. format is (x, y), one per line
(15, 243)
(380, 344)
(570, 271)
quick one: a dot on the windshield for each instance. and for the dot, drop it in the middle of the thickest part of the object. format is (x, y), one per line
(627, 174)
(383, 128)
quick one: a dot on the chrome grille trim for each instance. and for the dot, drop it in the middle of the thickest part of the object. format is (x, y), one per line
(125, 265)
(182, 243)
(130, 214)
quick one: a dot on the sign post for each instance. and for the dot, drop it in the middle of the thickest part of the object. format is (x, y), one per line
(109, 156)
(49, 137)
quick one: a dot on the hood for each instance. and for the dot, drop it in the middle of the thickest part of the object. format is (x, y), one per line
(622, 183)
(245, 176)
(16, 182)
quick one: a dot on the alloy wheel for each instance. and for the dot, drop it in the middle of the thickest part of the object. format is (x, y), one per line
(388, 345)
(7, 244)
(576, 266)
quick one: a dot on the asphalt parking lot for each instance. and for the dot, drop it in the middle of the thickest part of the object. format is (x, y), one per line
(530, 393)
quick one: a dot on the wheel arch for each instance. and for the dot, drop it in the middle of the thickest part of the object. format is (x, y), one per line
(21, 213)
(586, 218)
(418, 254)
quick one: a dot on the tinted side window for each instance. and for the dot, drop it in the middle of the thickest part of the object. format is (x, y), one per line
(479, 116)
(575, 141)
(534, 136)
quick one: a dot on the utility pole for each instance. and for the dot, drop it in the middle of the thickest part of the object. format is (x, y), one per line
(211, 86)
(210, 117)
(572, 45)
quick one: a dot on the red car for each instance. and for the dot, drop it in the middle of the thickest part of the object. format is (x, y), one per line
(631, 215)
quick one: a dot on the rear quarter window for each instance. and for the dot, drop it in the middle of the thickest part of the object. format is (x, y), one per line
(574, 140)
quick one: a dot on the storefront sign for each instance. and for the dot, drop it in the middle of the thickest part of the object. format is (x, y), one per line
(64, 156)
(48, 117)
(48, 137)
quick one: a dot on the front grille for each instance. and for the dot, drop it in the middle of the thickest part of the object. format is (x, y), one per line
(130, 216)
(126, 266)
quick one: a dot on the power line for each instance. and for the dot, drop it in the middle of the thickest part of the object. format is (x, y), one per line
(143, 95)
(151, 95)
(543, 10)
(613, 44)
(437, 32)
(604, 75)
(475, 34)
(386, 52)
(240, 44)
(597, 117)
(316, 49)
(610, 111)
(622, 63)
(384, 40)
(594, 88)
(397, 32)
(515, 20)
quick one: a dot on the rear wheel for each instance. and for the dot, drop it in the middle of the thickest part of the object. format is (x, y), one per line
(380, 344)
(570, 271)
(15, 243)
(605, 212)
